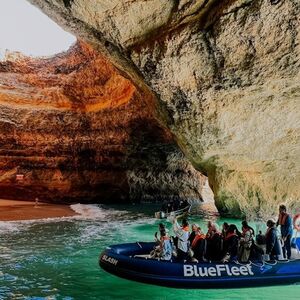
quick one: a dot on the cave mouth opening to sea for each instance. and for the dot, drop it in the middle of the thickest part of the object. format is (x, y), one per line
(25, 30)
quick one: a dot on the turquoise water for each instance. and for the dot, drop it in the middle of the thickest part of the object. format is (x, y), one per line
(58, 259)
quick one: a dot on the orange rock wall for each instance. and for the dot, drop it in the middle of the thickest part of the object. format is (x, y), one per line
(76, 130)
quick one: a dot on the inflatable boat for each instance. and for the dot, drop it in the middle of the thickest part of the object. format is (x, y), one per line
(128, 261)
(183, 212)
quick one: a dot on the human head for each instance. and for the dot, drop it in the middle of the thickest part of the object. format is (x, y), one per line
(184, 222)
(199, 230)
(225, 226)
(195, 227)
(161, 226)
(163, 232)
(231, 228)
(209, 224)
(270, 223)
(282, 208)
(245, 224)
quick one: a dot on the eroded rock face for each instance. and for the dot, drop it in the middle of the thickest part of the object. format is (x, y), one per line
(77, 130)
(226, 76)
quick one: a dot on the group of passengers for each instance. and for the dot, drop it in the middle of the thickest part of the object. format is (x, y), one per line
(226, 245)
(174, 205)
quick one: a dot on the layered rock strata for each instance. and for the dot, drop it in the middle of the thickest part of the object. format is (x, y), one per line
(226, 78)
(72, 128)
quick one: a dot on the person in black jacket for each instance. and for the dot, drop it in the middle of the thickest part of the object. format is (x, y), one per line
(272, 242)
(213, 243)
(193, 233)
(231, 243)
(225, 227)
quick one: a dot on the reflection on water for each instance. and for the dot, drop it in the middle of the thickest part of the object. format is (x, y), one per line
(58, 259)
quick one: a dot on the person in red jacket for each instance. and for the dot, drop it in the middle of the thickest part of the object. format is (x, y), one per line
(198, 244)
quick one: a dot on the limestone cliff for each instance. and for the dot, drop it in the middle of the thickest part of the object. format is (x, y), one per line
(72, 128)
(226, 79)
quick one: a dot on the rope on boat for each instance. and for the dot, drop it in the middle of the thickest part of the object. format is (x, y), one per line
(271, 264)
(257, 265)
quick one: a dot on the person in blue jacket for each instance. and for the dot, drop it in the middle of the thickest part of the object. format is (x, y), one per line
(286, 228)
(272, 242)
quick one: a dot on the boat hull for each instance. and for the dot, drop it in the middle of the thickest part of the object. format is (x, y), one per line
(120, 261)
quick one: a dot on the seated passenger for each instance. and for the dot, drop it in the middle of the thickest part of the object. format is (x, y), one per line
(212, 229)
(272, 242)
(182, 234)
(260, 239)
(231, 243)
(213, 243)
(165, 246)
(198, 244)
(193, 233)
(246, 242)
(224, 229)
(161, 227)
(238, 233)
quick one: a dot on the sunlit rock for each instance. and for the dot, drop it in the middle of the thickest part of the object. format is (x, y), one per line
(72, 128)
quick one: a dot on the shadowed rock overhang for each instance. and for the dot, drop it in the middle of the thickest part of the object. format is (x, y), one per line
(225, 75)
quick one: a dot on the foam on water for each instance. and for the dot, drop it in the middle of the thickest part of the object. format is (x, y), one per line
(84, 211)
(58, 259)
(8, 226)
(95, 211)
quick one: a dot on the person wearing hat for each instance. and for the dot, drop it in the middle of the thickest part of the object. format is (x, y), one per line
(272, 242)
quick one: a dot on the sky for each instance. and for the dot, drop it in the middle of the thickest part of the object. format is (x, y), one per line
(25, 28)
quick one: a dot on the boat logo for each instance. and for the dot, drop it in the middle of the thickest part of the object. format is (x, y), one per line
(110, 260)
(217, 270)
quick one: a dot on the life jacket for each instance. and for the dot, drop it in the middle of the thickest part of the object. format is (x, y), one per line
(212, 230)
(229, 235)
(197, 238)
(249, 229)
(268, 231)
(282, 218)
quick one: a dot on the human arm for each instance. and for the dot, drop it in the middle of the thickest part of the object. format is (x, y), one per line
(177, 229)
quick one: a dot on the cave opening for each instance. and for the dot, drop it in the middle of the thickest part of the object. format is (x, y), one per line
(75, 130)
(24, 29)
